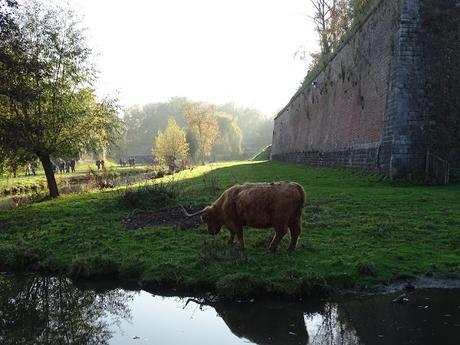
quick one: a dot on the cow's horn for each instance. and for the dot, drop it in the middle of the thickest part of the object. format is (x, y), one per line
(193, 214)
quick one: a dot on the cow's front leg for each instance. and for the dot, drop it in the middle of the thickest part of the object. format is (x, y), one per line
(279, 234)
(238, 231)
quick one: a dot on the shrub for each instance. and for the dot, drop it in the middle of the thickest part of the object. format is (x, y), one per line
(149, 196)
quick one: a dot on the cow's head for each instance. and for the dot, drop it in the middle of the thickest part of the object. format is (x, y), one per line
(212, 220)
(210, 216)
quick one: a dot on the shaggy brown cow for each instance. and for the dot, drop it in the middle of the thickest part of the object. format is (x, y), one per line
(259, 205)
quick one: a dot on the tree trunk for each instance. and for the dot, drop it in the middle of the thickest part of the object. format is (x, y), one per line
(48, 167)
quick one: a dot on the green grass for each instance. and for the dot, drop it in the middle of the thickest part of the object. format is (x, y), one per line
(358, 229)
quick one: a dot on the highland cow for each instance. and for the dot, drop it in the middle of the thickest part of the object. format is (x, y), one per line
(259, 205)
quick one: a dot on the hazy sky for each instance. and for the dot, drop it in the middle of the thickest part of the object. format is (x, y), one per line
(206, 50)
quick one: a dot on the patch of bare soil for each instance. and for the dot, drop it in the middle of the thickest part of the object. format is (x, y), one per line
(174, 217)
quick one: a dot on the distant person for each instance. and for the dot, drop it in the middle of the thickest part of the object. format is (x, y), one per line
(33, 167)
(27, 169)
(67, 167)
(98, 164)
(102, 164)
(72, 165)
(61, 166)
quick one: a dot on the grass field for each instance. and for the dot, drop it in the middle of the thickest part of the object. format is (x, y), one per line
(358, 230)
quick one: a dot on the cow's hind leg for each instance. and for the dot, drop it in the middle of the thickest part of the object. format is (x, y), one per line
(295, 226)
(280, 231)
(232, 237)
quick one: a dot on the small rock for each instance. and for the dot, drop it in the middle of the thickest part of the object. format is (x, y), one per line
(401, 299)
(136, 337)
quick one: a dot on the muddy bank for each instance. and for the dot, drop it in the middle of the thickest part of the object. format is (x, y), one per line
(174, 217)
(418, 283)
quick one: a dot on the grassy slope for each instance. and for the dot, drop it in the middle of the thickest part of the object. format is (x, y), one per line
(357, 229)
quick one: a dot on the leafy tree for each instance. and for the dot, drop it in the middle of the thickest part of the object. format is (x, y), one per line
(12, 162)
(203, 122)
(332, 19)
(143, 124)
(229, 140)
(256, 129)
(192, 141)
(171, 146)
(47, 106)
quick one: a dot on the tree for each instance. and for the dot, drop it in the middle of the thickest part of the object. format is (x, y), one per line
(171, 146)
(332, 19)
(47, 106)
(203, 122)
(256, 129)
(192, 141)
(143, 123)
(228, 143)
(10, 163)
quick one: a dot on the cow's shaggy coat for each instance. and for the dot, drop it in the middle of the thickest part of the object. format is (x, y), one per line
(259, 205)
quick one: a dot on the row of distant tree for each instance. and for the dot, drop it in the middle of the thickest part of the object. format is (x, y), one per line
(211, 132)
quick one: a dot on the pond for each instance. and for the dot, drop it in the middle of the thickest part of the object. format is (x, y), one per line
(52, 310)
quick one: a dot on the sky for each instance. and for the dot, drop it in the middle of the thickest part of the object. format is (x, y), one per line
(215, 51)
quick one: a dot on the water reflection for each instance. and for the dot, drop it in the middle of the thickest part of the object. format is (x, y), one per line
(43, 310)
(267, 323)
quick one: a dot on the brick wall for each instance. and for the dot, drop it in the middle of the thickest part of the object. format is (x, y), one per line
(339, 120)
(389, 96)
